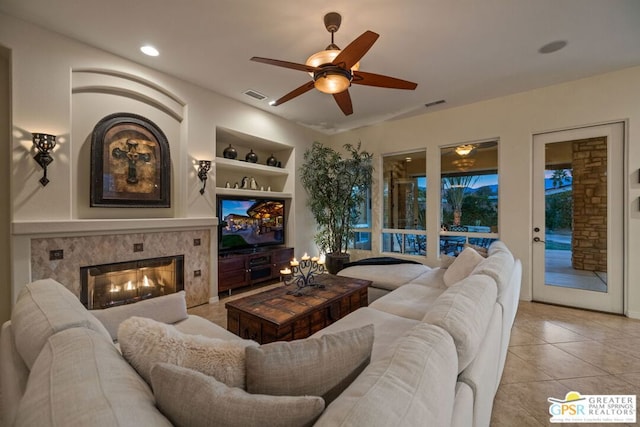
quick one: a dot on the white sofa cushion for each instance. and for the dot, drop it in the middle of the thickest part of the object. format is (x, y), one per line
(43, 308)
(464, 311)
(498, 266)
(196, 325)
(13, 376)
(170, 308)
(190, 398)
(80, 379)
(321, 366)
(410, 301)
(433, 277)
(462, 266)
(387, 277)
(145, 342)
(414, 385)
(482, 373)
(387, 327)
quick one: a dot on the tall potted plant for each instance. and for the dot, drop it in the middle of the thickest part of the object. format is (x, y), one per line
(336, 186)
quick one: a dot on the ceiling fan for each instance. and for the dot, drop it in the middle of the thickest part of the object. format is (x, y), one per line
(334, 70)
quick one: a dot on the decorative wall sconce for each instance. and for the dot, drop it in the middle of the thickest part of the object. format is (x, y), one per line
(204, 166)
(44, 143)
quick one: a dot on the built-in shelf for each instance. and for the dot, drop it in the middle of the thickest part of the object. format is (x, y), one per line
(248, 167)
(231, 173)
(109, 226)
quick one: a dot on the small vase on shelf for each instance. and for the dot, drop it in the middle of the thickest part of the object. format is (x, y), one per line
(251, 157)
(272, 161)
(230, 152)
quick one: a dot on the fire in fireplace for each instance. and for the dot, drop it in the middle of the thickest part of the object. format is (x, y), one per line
(110, 285)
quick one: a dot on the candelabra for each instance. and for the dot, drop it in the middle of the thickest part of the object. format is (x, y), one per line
(302, 274)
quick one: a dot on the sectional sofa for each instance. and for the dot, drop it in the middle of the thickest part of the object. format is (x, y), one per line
(435, 357)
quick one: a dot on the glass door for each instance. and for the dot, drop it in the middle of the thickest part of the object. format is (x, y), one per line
(577, 234)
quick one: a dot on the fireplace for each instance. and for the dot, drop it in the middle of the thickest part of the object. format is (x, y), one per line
(110, 285)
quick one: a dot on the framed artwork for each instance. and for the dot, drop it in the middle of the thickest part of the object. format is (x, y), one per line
(130, 163)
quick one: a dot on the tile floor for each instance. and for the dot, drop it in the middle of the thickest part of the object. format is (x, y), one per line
(553, 350)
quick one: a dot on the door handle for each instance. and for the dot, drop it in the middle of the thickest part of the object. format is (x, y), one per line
(538, 240)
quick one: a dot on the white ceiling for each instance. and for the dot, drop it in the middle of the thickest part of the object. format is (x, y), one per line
(458, 50)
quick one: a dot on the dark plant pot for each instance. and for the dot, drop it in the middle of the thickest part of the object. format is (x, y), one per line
(336, 262)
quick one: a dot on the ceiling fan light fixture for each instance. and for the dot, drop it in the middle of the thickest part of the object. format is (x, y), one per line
(333, 80)
(325, 57)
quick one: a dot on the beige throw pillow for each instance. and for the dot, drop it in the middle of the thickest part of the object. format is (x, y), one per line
(145, 342)
(189, 398)
(480, 249)
(170, 308)
(322, 366)
(446, 261)
(462, 266)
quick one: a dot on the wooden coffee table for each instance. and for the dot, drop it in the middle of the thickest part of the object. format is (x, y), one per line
(274, 315)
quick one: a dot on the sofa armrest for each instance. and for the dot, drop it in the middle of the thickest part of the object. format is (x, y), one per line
(13, 376)
(170, 308)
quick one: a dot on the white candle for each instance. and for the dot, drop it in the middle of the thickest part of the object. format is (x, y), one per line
(294, 263)
(305, 257)
(321, 260)
(315, 259)
(285, 272)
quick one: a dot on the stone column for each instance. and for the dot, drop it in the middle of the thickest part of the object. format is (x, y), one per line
(589, 169)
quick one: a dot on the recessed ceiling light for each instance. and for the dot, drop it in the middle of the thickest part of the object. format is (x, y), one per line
(554, 46)
(272, 102)
(149, 50)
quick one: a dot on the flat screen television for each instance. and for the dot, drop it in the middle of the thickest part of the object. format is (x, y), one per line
(250, 222)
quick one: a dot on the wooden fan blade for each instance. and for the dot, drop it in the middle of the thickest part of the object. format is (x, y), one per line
(371, 79)
(343, 99)
(286, 64)
(351, 54)
(296, 92)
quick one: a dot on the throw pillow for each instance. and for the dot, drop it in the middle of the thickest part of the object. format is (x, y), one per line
(446, 261)
(190, 398)
(167, 309)
(322, 366)
(480, 249)
(145, 342)
(462, 266)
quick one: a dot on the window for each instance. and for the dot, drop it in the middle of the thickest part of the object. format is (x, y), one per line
(404, 203)
(362, 226)
(469, 202)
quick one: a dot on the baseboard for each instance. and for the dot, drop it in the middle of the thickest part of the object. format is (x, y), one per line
(214, 300)
(633, 314)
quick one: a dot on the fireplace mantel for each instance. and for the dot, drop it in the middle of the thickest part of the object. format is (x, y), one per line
(34, 241)
(107, 226)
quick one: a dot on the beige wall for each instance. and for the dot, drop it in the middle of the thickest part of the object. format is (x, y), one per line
(513, 120)
(47, 68)
(5, 212)
(42, 65)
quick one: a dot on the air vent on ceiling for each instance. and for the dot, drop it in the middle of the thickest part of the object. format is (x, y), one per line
(257, 95)
(434, 103)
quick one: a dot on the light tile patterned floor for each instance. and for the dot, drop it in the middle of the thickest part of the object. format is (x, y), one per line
(552, 350)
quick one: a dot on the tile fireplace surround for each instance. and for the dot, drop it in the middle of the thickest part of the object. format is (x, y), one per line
(93, 242)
